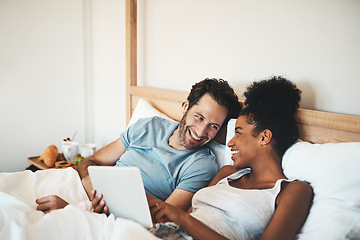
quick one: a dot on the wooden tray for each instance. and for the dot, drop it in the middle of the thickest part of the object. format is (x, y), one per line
(39, 164)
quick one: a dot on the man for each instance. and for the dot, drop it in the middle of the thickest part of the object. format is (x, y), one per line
(174, 158)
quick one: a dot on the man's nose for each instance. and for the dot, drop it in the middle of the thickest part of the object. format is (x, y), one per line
(202, 130)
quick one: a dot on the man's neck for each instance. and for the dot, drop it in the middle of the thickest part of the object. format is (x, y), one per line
(174, 141)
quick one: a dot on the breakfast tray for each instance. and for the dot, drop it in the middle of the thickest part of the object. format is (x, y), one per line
(41, 165)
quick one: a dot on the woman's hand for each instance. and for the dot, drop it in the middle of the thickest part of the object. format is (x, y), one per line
(98, 204)
(162, 212)
(49, 203)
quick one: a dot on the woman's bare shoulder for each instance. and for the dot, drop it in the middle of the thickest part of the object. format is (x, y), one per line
(296, 190)
(299, 186)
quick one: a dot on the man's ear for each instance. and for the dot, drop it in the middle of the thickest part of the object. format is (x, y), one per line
(185, 106)
(266, 137)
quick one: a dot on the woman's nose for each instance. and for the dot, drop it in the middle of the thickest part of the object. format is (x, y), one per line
(230, 143)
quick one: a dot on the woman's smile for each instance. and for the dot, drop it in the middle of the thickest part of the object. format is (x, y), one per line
(233, 153)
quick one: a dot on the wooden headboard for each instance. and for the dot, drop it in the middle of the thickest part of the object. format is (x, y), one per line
(314, 126)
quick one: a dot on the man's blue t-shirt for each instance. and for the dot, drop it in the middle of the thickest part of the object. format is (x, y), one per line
(162, 167)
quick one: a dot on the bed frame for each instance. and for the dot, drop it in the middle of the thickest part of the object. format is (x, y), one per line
(314, 126)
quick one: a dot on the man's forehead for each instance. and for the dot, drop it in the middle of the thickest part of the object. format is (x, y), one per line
(205, 99)
(209, 108)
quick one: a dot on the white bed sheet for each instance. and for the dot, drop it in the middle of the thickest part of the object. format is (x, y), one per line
(19, 218)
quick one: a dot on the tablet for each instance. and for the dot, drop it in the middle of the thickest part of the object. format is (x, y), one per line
(123, 191)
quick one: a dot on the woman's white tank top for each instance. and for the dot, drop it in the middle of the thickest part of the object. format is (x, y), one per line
(236, 213)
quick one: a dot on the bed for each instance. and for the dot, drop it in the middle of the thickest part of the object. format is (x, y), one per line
(327, 155)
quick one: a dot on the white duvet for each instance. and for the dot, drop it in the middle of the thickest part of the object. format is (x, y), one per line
(19, 218)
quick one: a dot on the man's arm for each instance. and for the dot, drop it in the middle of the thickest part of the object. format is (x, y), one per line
(107, 156)
(180, 198)
(225, 171)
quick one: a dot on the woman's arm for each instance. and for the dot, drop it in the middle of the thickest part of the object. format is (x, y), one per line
(293, 206)
(162, 212)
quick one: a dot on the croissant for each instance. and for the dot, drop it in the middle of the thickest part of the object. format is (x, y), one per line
(49, 156)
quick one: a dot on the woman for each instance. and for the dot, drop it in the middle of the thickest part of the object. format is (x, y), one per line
(253, 198)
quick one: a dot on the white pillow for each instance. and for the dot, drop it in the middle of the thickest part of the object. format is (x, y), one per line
(230, 132)
(332, 169)
(144, 109)
(219, 151)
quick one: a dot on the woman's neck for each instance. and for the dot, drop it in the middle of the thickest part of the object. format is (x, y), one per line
(265, 171)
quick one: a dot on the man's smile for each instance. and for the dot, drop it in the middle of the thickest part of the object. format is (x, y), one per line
(194, 136)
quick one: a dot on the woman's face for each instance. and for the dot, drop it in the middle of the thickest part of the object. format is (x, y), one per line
(244, 146)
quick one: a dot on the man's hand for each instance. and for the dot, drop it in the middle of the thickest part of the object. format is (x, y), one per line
(98, 204)
(49, 203)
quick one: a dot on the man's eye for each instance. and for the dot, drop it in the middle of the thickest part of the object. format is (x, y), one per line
(198, 117)
(214, 126)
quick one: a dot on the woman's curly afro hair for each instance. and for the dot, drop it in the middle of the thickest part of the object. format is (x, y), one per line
(271, 104)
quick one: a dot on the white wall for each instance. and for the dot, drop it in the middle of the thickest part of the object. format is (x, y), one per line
(41, 77)
(109, 69)
(61, 70)
(314, 43)
(62, 63)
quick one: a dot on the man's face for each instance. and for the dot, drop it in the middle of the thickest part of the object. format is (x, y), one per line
(201, 122)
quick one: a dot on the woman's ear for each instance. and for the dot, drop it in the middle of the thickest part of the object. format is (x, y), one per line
(266, 137)
(185, 106)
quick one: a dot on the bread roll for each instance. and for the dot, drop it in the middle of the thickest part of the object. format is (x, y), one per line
(49, 156)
